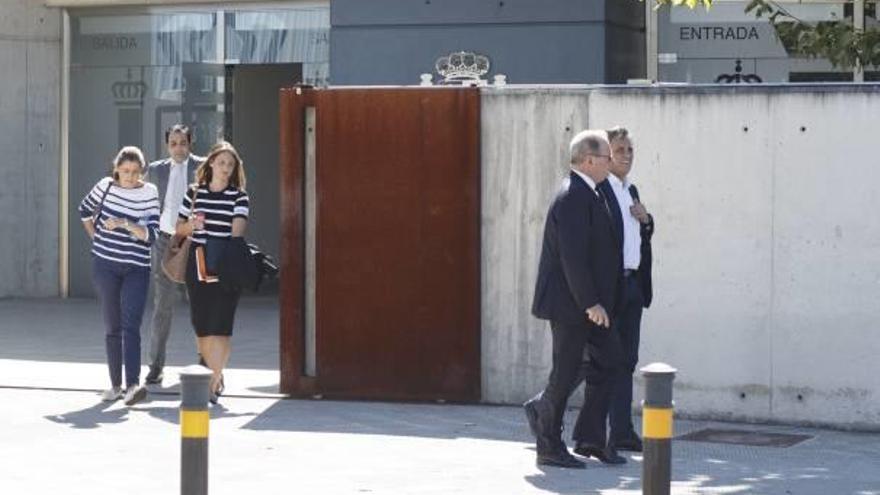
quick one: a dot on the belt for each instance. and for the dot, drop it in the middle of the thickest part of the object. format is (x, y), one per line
(627, 272)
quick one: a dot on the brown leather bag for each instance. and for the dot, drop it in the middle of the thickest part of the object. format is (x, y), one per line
(176, 256)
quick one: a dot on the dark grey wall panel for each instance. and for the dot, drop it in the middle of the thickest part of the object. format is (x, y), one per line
(562, 53)
(407, 12)
(625, 54)
(625, 13)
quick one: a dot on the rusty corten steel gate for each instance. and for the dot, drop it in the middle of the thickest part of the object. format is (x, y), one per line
(380, 289)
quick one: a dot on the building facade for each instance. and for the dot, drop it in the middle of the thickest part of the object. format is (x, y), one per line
(87, 76)
(110, 73)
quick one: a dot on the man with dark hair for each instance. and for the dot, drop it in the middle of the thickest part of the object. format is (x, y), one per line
(576, 289)
(633, 227)
(171, 176)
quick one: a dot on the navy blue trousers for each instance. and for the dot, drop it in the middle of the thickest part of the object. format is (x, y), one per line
(122, 293)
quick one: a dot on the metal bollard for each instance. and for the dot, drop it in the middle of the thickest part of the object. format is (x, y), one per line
(194, 418)
(657, 429)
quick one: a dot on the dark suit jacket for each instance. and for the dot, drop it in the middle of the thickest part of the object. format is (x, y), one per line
(581, 263)
(646, 230)
(158, 172)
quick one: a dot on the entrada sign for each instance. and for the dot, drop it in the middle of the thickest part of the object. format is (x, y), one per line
(692, 33)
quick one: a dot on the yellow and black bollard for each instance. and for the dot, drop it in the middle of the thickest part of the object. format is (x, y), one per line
(194, 418)
(657, 429)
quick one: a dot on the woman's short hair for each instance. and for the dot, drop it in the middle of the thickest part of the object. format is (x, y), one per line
(204, 172)
(129, 154)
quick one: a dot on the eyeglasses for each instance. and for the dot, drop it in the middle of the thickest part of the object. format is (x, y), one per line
(600, 156)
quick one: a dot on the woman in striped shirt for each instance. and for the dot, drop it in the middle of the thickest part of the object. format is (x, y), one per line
(121, 215)
(216, 208)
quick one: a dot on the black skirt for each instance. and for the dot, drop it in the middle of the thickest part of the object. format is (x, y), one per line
(211, 305)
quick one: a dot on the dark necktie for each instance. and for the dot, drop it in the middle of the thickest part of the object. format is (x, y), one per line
(604, 201)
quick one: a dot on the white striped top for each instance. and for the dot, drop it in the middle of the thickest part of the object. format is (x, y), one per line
(219, 208)
(138, 205)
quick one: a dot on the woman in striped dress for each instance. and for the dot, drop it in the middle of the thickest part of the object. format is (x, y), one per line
(121, 214)
(216, 208)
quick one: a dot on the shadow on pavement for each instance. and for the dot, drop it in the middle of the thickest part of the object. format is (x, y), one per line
(399, 419)
(172, 414)
(92, 416)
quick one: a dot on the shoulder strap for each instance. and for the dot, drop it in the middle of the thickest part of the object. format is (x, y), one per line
(101, 203)
(192, 206)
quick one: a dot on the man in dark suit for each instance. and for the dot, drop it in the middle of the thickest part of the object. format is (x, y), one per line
(171, 176)
(578, 278)
(633, 227)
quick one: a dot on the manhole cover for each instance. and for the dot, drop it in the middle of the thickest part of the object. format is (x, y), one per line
(742, 437)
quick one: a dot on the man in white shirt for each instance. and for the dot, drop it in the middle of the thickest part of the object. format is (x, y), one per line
(172, 177)
(633, 228)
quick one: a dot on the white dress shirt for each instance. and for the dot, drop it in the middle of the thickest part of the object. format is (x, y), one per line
(632, 237)
(173, 197)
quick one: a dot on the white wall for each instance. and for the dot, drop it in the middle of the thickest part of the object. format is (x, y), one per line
(30, 60)
(767, 249)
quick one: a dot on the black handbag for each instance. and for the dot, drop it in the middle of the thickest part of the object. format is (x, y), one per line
(233, 261)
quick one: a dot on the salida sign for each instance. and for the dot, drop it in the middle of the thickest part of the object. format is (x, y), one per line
(717, 33)
(114, 43)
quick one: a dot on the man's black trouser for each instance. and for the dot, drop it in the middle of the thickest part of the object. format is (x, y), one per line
(571, 342)
(627, 325)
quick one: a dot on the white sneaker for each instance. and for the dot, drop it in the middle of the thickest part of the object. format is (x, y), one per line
(112, 394)
(134, 394)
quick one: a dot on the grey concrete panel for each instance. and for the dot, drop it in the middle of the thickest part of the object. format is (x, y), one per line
(525, 136)
(14, 174)
(427, 12)
(30, 55)
(40, 228)
(29, 19)
(571, 53)
(826, 268)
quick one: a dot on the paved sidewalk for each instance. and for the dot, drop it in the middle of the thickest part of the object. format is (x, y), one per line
(58, 438)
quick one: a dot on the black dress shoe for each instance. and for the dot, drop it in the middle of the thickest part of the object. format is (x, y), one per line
(532, 416)
(154, 377)
(607, 455)
(633, 444)
(561, 458)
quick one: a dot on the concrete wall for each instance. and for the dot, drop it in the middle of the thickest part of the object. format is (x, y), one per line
(30, 57)
(767, 275)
